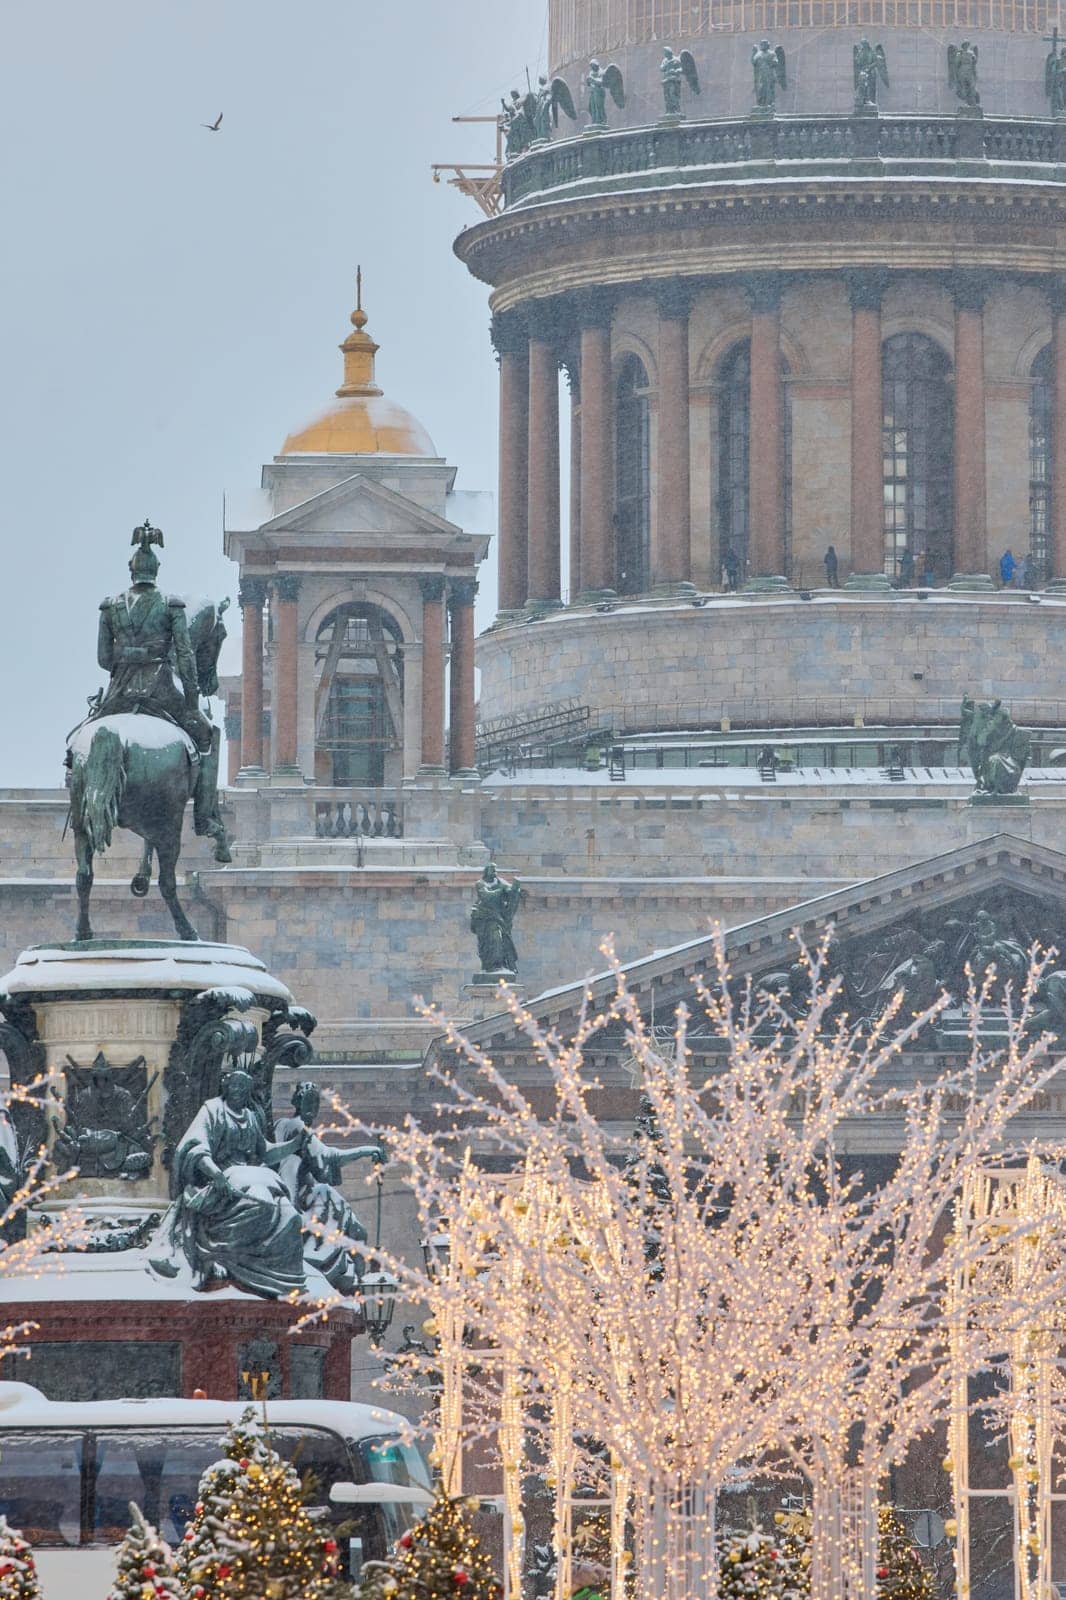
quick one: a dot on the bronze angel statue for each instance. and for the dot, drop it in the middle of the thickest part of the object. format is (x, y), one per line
(962, 72)
(601, 82)
(676, 71)
(869, 66)
(543, 105)
(768, 68)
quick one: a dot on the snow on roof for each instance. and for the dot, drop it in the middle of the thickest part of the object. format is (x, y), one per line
(21, 1405)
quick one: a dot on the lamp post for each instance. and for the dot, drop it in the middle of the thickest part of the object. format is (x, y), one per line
(379, 1290)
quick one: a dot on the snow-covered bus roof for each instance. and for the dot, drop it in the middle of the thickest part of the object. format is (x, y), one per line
(23, 1406)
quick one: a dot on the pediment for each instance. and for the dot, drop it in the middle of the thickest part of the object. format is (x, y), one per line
(360, 505)
(924, 912)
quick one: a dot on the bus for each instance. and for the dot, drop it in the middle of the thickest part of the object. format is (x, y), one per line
(68, 1472)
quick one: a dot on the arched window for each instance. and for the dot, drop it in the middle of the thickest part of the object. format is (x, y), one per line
(734, 444)
(632, 488)
(918, 457)
(1040, 465)
(359, 695)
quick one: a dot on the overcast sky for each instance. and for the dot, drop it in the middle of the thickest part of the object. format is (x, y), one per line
(171, 299)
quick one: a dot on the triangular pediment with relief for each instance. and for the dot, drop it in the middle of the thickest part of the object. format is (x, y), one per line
(360, 506)
(916, 929)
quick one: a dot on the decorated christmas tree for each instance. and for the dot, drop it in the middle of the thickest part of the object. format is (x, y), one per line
(251, 1537)
(901, 1572)
(18, 1574)
(440, 1558)
(146, 1565)
(752, 1564)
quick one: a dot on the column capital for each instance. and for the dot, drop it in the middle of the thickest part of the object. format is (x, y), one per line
(508, 333)
(594, 308)
(970, 290)
(461, 592)
(764, 289)
(548, 321)
(866, 287)
(287, 586)
(252, 592)
(674, 298)
(432, 587)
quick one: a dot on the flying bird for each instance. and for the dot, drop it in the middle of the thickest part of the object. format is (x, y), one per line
(213, 127)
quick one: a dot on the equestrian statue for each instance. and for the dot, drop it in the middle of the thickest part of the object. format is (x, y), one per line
(146, 748)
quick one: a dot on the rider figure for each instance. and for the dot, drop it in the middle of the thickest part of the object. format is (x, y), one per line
(144, 644)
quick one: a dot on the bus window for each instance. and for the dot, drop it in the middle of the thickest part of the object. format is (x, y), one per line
(390, 1461)
(318, 1456)
(40, 1485)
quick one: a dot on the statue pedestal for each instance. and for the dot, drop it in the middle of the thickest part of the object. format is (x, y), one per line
(484, 998)
(1012, 801)
(134, 1037)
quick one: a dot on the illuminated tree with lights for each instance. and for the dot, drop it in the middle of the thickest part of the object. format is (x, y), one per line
(901, 1572)
(146, 1565)
(440, 1558)
(251, 1536)
(756, 1567)
(18, 1573)
(788, 1303)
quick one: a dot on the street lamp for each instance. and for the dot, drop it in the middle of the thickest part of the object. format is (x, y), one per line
(379, 1290)
(437, 1252)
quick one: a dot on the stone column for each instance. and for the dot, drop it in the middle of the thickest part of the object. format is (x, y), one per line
(252, 597)
(867, 433)
(597, 448)
(432, 673)
(509, 337)
(766, 461)
(971, 538)
(543, 519)
(672, 556)
(1056, 573)
(233, 737)
(462, 759)
(573, 375)
(286, 676)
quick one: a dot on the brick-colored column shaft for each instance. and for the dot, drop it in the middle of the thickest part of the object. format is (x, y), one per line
(252, 682)
(514, 474)
(575, 495)
(1057, 552)
(285, 685)
(867, 443)
(461, 752)
(433, 676)
(766, 468)
(543, 513)
(597, 457)
(971, 554)
(673, 555)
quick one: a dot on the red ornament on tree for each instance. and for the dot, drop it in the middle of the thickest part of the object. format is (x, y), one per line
(460, 1578)
(243, 1463)
(330, 1545)
(882, 1572)
(224, 1570)
(149, 1569)
(405, 1541)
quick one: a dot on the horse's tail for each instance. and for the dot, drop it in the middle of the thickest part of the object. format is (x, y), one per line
(102, 787)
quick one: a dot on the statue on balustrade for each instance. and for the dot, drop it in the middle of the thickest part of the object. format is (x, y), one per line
(1055, 77)
(312, 1176)
(516, 125)
(601, 82)
(1049, 1006)
(675, 72)
(962, 72)
(491, 920)
(989, 742)
(233, 1220)
(768, 69)
(870, 66)
(545, 103)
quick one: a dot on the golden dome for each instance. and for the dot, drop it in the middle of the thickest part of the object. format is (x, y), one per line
(362, 420)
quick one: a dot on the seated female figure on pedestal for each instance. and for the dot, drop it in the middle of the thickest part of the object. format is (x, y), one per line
(233, 1219)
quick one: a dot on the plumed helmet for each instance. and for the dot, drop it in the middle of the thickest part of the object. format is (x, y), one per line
(144, 563)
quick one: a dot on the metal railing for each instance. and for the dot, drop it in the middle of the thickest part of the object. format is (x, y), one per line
(795, 146)
(814, 711)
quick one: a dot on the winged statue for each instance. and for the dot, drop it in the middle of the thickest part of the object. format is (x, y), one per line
(768, 68)
(870, 67)
(962, 72)
(601, 82)
(544, 103)
(676, 71)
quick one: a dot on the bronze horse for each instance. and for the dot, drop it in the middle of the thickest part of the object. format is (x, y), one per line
(139, 771)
